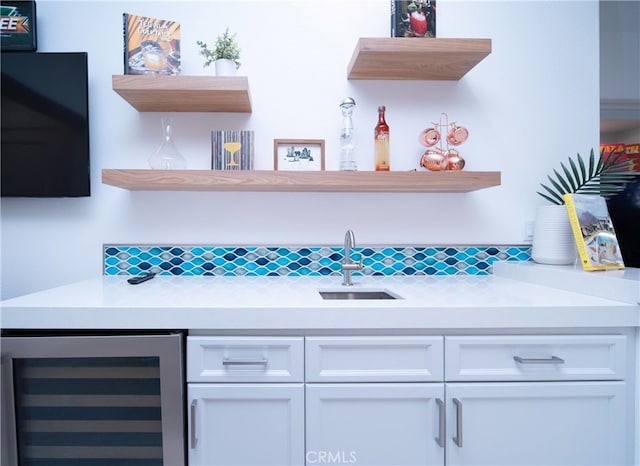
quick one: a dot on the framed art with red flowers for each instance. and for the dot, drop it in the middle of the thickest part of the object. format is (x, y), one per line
(413, 18)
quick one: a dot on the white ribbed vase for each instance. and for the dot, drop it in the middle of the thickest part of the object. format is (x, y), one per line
(553, 241)
(225, 67)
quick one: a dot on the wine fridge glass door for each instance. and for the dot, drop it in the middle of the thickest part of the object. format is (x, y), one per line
(93, 399)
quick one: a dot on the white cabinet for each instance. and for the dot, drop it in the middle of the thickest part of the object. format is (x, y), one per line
(374, 359)
(246, 424)
(254, 422)
(376, 407)
(536, 399)
(541, 423)
(376, 424)
(409, 400)
(245, 359)
(535, 357)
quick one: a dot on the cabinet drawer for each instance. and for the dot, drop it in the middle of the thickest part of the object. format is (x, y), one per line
(535, 357)
(245, 359)
(374, 359)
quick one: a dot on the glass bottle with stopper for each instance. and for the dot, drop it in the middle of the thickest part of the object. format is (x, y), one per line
(347, 146)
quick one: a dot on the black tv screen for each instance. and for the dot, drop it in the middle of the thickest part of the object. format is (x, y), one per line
(45, 125)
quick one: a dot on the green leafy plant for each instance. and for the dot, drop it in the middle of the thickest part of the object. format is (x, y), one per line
(605, 175)
(226, 47)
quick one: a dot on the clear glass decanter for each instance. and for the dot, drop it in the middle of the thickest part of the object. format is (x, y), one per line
(347, 146)
(167, 156)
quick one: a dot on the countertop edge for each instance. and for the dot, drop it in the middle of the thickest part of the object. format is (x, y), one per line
(413, 319)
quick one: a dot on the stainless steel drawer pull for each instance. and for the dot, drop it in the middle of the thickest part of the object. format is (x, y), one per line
(244, 362)
(551, 360)
(441, 423)
(458, 438)
(194, 439)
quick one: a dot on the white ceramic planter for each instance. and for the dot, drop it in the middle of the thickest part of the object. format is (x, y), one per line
(553, 241)
(225, 67)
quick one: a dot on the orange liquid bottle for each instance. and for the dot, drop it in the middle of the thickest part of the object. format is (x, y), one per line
(382, 142)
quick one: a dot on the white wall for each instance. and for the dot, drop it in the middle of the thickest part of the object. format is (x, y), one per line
(532, 102)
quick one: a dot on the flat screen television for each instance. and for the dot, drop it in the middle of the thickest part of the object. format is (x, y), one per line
(624, 209)
(45, 125)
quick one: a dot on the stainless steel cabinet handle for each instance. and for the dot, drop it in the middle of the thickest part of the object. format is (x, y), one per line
(441, 420)
(551, 360)
(194, 439)
(458, 438)
(244, 362)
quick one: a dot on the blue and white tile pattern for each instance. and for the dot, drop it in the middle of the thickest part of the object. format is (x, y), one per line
(304, 260)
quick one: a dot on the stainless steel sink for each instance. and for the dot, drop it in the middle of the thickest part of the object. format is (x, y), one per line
(357, 294)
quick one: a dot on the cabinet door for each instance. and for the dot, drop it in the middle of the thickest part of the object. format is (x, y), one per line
(248, 424)
(374, 359)
(541, 423)
(238, 359)
(375, 424)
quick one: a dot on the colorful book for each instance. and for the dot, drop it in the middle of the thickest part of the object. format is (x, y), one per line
(413, 18)
(596, 240)
(151, 46)
(232, 150)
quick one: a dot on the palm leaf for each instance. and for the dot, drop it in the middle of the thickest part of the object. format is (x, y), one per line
(604, 176)
(555, 198)
(574, 170)
(583, 170)
(568, 176)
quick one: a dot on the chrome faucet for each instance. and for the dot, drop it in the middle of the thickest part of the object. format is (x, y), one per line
(347, 264)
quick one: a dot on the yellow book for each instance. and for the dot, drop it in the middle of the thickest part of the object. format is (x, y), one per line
(593, 231)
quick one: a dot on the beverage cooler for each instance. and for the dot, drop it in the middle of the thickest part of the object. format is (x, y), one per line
(87, 400)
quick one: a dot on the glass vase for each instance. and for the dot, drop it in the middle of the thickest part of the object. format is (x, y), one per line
(167, 156)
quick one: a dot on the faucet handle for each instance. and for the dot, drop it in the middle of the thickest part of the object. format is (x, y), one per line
(352, 265)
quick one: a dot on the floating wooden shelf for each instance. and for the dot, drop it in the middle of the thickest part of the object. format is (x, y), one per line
(290, 181)
(150, 93)
(416, 58)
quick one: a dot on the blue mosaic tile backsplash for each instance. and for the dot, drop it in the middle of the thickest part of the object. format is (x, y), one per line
(304, 260)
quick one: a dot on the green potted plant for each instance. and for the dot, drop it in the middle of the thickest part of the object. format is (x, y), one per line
(225, 55)
(605, 175)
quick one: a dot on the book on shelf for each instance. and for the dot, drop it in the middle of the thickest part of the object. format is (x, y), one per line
(413, 18)
(232, 150)
(151, 45)
(596, 240)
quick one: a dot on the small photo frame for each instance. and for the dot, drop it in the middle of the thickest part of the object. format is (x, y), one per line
(298, 154)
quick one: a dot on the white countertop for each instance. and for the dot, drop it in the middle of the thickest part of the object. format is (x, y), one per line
(618, 284)
(293, 303)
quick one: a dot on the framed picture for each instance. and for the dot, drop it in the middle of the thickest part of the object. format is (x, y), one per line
(232, 150)
(18, 26)
(413, 18)
(298, 154)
